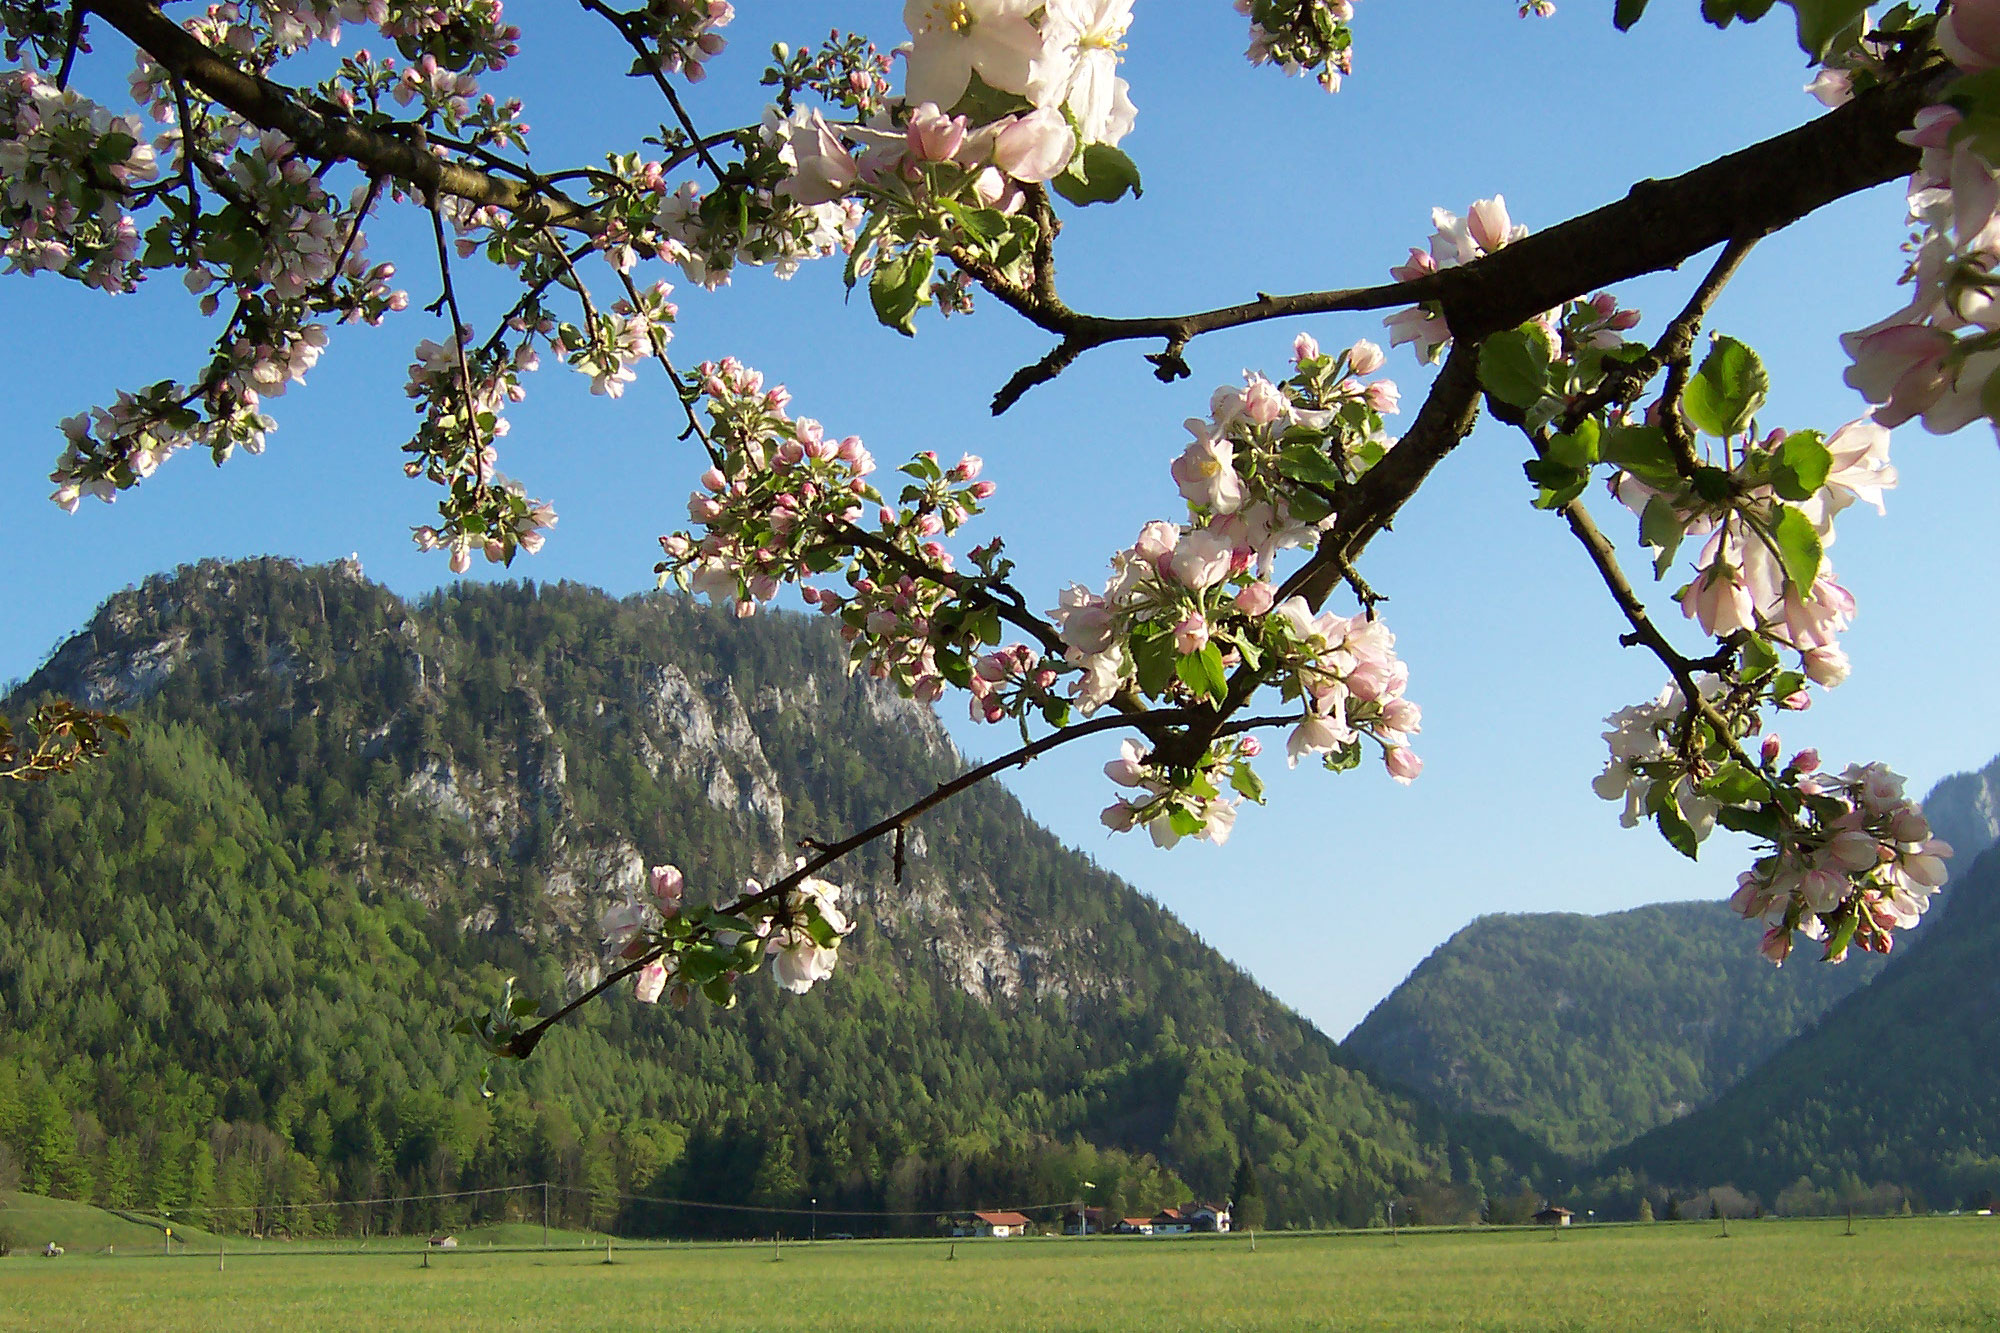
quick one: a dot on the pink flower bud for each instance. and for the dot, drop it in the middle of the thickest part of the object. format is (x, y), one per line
(714, 480)
(1770, 750)
(1257, 599)
(1365, 358)
(967, 468)
(1304, 348)
(1402, 763)
(1806, 761)
(983, 490)
(1191, 635)
(1251, 747)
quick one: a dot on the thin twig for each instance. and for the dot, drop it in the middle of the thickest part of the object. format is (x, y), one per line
(458, 330)
(649, 59)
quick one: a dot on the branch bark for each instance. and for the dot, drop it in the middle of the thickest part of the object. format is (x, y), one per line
(325, 133)
(1659, 224)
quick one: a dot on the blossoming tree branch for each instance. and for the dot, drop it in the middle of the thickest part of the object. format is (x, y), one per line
(942, 170)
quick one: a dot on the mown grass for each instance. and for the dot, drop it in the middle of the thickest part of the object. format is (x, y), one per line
(1906, 1276)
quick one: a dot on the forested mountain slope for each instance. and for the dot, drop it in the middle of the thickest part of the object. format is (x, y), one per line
(230, 954)
(1900, 1083)
(1587, 1031)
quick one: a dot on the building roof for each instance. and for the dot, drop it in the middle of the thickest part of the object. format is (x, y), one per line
(1555, 1212)
(1002, 1219)
(1137, 1221)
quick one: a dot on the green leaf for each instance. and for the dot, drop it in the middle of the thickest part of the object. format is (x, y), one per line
(1244, 778)
(1189, 669)
(1720, 12)
(1218, 677)
(985, 225)
(1726, 392)
(1514, 366)
(1660, 528)
(1099, 175)
(1843, 935)
(1627, 13)
(1800, 465)
(1757, 658)
(1155, 660)
(1643, 452)
(900, 284)
(1346, 757)
(1305, 462)
(1184, 821)
(1675, 829)
(1798, 546)
(1734, 784)
(1823, 24)
(1577, 450)
(1761, 823)
(869, 231)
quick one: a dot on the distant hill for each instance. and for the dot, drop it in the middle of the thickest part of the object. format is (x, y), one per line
(1899, 1083)
(231, 953)
(1588, 1031)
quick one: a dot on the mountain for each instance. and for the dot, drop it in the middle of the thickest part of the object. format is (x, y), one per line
(1587, 1031)
(231, 953)
(1897, 1084)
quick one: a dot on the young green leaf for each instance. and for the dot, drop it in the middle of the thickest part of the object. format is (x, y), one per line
(1798, 546)
(1099, 175)
(1726, 392)
(1514, 366)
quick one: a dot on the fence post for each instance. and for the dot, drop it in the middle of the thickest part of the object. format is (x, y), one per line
(545, 1214)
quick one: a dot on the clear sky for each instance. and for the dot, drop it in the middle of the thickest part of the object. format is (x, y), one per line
(1253, 182)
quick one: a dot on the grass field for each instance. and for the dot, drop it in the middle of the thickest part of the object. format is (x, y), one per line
(1920, 1274)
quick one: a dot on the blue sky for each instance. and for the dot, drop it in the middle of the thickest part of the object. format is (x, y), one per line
(1254, 182)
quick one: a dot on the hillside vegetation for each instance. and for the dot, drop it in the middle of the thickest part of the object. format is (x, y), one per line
(230, 955)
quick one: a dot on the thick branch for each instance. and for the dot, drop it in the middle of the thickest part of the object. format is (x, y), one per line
(1657, 225)
(326, 135)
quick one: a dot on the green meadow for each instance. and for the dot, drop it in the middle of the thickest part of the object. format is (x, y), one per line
(1901, 1275)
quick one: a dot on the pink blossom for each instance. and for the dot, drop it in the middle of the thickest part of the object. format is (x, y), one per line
(1263, 401)
(1305, 347)
(934, 136)
(1206, 475)
(1365, 358)
(1035, 147)
(1191, 635)
(1201, 559)
(1257, 599)
(1970, 35)
(1402, 762)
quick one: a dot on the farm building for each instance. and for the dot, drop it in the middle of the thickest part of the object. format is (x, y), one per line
(1553, 1217)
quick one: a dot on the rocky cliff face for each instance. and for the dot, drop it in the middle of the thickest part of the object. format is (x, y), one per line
(685, 725)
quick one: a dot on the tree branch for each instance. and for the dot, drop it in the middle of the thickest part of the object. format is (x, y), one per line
(1657, 225)
(327, 134)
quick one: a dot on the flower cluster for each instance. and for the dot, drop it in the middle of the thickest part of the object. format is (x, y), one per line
(1187, 804)
(683, 948)
(69, 167)
(1300, 36)
(848, 71)
(1484, 229)
(687, 33)
(1858, 862)
(1068, 63)
(1191, 614)
(785, 503)
(462, 392)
